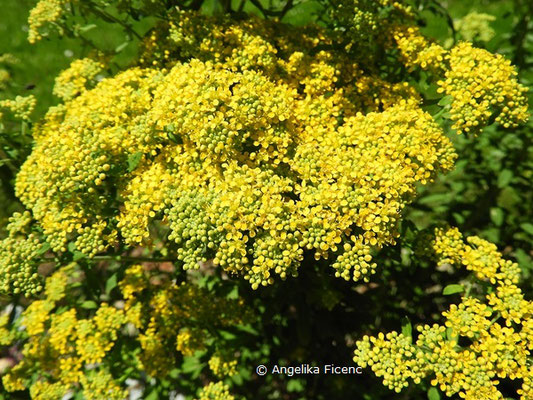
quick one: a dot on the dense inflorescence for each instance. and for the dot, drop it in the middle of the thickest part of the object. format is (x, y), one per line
(258, 148)
(66, 348)
(367, 22)
(417, 51)
(21, 106)
(19, 257)
(6, 61)
(253, 146)
(498, 326)
(215, 391)
(483, 86)
(80, 76)
(45, 17)
(475, 27)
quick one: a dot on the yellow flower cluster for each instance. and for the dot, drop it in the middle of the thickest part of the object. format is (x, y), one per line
(189, 341)
(475, 26)
(165, 320)
(479, 256)
(215, 391)
(499, 330)
(47, 391)
(391, 356)
(19, 256)
(6, 335)
(75, 149)
(4, 78)
(367, 22)
(469, 318)
(483, 86)
(71, 351)
(95, 337)
(262, 146)
(355, 254)
(418, 51)
(101, 385)
(21, 106)
(80, 76)
(222, 365)
(44, 17)
(8, 59)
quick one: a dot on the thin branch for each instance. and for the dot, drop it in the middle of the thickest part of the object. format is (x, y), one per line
(125, 25)
(270, 13)
(7, 162)
(260, 7)
(195, 5)
(132, 259)
(449, 20)
(226, 6)
(119, 258)
(288, 6)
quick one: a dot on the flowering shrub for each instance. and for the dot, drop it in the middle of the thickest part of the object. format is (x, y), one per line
(498, 329)
(67, 351)
(236, 147)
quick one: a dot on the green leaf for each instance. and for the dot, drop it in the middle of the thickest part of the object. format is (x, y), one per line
(437, 198)
(445, 101)
(433, 394)
(237, 379)
(505, 177)
(407, 328)
(295, 385)
(77, 255)
(523, 259)
(458, 218)
(527, 227)
(44, 248)
(89, 305)
(134, 160)
(79, 396)
(452, 289)
(497, 216)
(234, 293)
(227, 335)
(174, 138)
(492, 235)
(191, 365)
(111, 283)
(508, 198)
(451, 335)
(247, 329)
(153, 395)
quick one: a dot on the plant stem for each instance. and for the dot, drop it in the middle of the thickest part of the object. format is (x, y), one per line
(7, 161)
(125, 25)
(119, 258)
(133, 259)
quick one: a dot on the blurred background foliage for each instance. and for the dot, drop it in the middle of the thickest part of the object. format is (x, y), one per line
(317, 318)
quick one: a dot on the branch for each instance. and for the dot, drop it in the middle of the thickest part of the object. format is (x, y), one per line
(7, 161)
(270, 13)
(132, 259)
(104, 15)
(119, 258)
